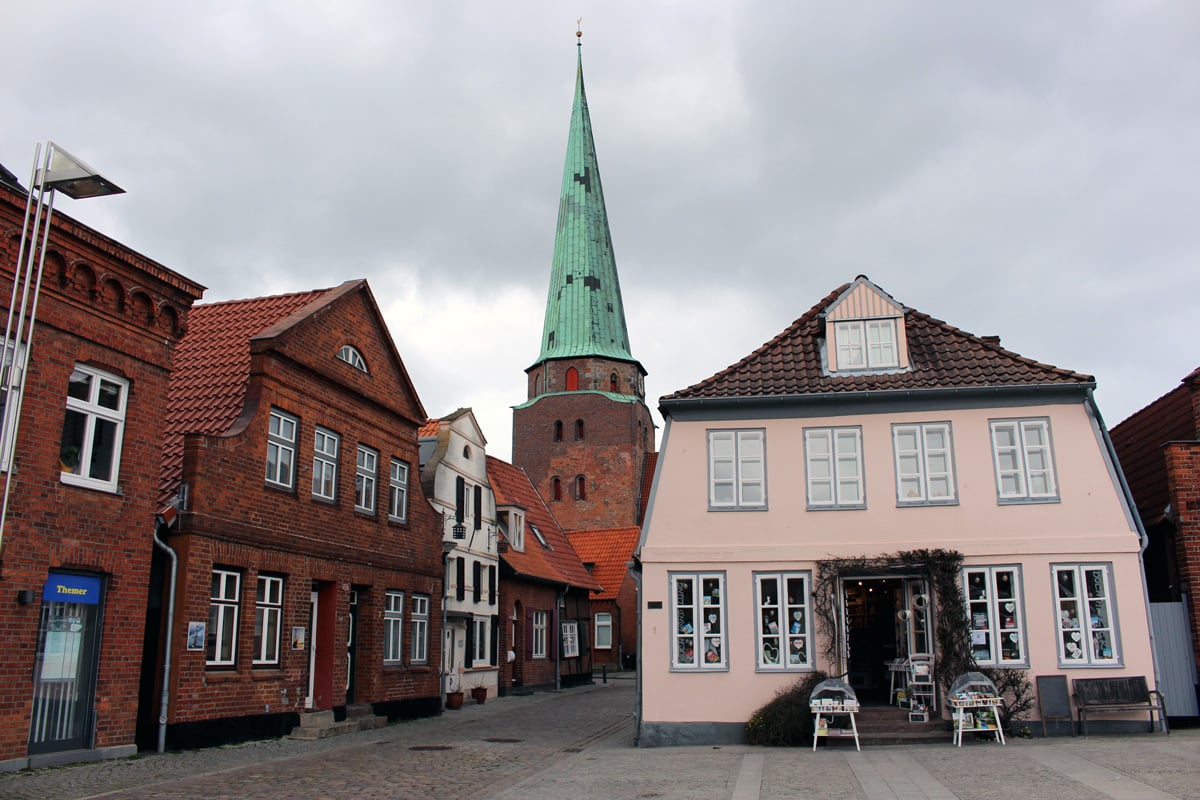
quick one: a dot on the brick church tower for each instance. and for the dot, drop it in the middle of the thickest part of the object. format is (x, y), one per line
(584, 432)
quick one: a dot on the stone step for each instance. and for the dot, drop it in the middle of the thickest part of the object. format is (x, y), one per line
(322, 724)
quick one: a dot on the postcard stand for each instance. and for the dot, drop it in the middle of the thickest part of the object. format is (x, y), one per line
(975, 705)
(828, 699)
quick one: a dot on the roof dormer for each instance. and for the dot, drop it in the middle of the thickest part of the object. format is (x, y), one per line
(864, 331)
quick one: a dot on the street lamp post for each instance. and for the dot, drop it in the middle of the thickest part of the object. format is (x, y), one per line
(54, 171)
(447, 549)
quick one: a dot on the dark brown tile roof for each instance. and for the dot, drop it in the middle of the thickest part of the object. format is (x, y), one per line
(609, 550)
(941, 356)
(1139, 442)
(647, 481)
(212, 369)
(558, 564)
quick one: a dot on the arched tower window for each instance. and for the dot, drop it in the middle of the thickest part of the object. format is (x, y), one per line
(612, 383)
(537, 385)
(579, 430)
(580, 487)
(555, 489)
(572, 380)
(558, 430)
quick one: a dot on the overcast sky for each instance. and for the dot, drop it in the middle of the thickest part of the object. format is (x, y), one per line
(1024, 169)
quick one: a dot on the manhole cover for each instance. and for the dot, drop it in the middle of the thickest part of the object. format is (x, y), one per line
(502, 740)
(431, 747)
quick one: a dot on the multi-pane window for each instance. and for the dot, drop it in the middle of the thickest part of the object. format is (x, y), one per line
(268, 611)
(224, 599)
(479, 643)
(784, 620)
(541, 624)
(90, 449)
(366, 469)
(866, 344)
(737, 469)
(924, 463)
(420, 629)
(393, 627)
(325, 457)
(1084, 614)
(1024, 460)
(996, 616)
(604, 624)
(281, 448)
(698, 614)
(398, 491)
(351, 356)
(835, 469)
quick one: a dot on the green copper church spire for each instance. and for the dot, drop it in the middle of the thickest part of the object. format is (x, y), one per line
(584, 315)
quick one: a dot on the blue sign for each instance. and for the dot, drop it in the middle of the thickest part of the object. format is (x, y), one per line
(62, 588)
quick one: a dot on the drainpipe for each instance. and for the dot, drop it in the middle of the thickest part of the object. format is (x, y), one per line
(165, 699)
(1135, 518)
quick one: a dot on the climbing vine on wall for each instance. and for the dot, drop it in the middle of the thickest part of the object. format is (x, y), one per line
(940, 567)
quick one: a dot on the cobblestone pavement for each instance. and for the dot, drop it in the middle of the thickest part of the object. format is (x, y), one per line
(578, 745)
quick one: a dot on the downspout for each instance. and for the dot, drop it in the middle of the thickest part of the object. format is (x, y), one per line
(165, 699)
(1136, 519)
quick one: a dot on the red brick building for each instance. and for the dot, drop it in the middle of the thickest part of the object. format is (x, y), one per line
(544, 609)
(607, 554)
(1159, 449)
(309, 572)
(78, 532)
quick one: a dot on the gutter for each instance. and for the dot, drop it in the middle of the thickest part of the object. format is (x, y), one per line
(165, 699)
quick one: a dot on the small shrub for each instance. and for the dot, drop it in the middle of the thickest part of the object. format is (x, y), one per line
(787, 719)
(1016, 694)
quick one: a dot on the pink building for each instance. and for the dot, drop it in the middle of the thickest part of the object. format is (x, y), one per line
(870, 484)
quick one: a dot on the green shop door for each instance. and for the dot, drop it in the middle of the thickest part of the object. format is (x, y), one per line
(64, 677)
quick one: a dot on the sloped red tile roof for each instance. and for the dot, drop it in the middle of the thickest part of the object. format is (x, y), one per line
(212, 369)
(609, 550)
(1139, 442)
(560, 563)
(941, 356)
(429, 429)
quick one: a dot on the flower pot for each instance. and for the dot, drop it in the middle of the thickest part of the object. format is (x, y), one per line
(454, 699)
(479, 693)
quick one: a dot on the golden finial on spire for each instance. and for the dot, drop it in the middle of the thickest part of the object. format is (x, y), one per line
(579, 28)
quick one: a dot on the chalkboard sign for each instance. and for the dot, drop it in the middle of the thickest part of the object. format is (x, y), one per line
(1054, 701)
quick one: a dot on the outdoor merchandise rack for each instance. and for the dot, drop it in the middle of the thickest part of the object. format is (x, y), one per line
(829, 699)
(975, 706)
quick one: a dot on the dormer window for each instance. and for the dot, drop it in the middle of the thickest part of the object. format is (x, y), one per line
(866, 344)
(513, 523)
(351, 356)
(865, 330)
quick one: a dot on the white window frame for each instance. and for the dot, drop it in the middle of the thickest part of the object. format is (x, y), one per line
(325, 461)
(1025, 459)
(604, 630)
(393, 627)
(224, 609)
(994, 599)
(698, 643)
(737, 469)
(1093, 633)
(366, 470)
(783, 624)
(95, 414)
(350, 354)
(570, 638)
(828, 454)
(541, 625)
(420, 629)
(867, 344)
(268, 619)
(398, 491)
(282, 429)
(920, 478)
(481, 640)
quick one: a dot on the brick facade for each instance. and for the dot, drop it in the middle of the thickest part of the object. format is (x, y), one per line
(109, 308)
(232, 519)
(1183, 481)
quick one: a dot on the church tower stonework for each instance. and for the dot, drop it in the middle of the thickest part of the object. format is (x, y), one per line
(584, 432)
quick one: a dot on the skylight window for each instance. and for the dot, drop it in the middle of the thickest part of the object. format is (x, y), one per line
(541, 539)
(351, 356)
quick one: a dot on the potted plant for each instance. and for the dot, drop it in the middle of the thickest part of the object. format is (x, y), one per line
(479, 692)
(454, 699)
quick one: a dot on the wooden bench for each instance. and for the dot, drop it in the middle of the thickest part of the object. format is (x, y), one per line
(1097, 695)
